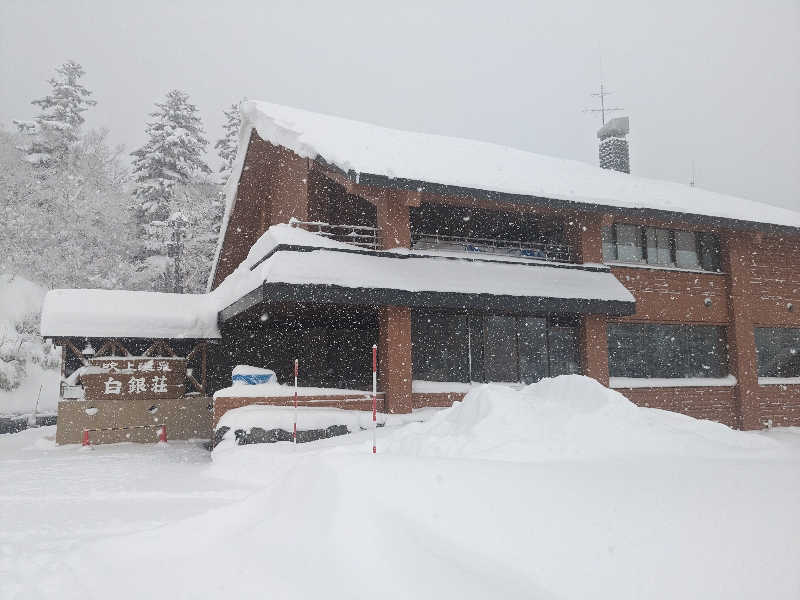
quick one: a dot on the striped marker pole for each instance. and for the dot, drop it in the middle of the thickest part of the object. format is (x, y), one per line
(374, 395)
(294, 432)
(162, 434)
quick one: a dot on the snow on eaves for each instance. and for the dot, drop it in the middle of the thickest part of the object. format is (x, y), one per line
(290, 255)
(366, 148)
(121, 313)
(438, 274)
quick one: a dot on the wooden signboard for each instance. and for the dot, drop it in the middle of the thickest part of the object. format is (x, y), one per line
(134, 378)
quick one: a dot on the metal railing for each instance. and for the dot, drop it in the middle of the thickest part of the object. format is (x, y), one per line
(497, 247)
(362, 236)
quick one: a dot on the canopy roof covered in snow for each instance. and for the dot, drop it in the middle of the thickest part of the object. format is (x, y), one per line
(118, 313)
(403, 158)
(311, 268)
(290, 264)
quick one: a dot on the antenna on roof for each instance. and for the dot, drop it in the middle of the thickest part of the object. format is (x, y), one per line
(603, 109)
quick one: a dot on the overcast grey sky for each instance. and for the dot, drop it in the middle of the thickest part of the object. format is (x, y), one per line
(717, 82)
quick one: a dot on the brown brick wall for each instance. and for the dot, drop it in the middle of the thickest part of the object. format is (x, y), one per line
(441, 400)
(272, 189)
(778, 405)
(773, 263)
(713, 403)
(394, 357)
(665, 295)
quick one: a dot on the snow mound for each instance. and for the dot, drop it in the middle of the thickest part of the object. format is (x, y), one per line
(570, 417)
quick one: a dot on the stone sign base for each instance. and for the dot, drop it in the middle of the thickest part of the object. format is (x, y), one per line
(112, 421)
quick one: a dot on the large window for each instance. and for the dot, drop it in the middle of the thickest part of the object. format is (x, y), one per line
(666, 351)
(440, 348)
(485, 347)
(661, 247)
(778, 351)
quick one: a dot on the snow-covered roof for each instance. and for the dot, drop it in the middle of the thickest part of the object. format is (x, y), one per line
(440, 274)
(290, 256)
(119, 313)
(372, 149)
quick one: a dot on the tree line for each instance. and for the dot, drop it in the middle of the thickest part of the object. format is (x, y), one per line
(76, 215)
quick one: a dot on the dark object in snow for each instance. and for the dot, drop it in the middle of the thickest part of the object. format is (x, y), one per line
(258, 435)
(17, 424)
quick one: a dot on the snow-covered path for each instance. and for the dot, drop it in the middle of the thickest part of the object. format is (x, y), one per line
(688, 510)
(54, 500)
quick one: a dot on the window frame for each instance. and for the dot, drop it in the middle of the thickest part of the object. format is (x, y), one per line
(643, 343)
(566, 327)
(706, 243)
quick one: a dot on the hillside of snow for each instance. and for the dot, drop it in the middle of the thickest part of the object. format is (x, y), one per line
(561, 490)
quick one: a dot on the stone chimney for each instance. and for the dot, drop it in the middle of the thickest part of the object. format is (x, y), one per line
(613, 145)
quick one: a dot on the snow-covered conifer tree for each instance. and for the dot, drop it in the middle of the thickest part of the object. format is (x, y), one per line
(56, 129)
(173, 154)
(227, 145)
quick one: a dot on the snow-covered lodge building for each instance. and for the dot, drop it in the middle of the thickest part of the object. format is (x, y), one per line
(466, 262)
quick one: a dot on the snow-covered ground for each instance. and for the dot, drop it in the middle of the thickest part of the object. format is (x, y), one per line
(560, 490)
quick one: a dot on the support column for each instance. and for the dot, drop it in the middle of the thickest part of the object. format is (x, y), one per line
(594, 347)
(743, 360)
(393, 219)
(394, 357)
(585, 233)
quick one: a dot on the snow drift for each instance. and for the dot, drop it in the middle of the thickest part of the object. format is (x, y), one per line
(568, 417)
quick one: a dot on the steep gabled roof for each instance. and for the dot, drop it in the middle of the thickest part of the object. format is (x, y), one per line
(363, 148)
(375, 154)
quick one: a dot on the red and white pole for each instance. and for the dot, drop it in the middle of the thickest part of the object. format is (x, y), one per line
(162, 434)
(85, 439)
(294, 432)
(374, 395)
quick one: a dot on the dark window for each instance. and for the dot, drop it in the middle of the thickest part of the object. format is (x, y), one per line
(665, 354)
(440, 348)
(666, 351)
(562, 343)
(533, 363)
(486, 347)
(778, 351)
(500, 349)
(659, 247)
(709, 252)
(686, 255)
(626, 355)
(707, 351)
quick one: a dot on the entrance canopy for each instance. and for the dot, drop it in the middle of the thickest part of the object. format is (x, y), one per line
(347, 275)
(288, 264)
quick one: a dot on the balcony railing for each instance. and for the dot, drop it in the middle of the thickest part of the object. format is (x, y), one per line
(514, 248)
(362, 236)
